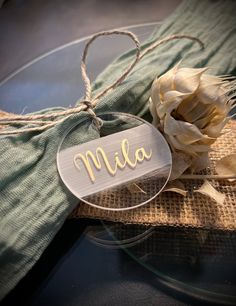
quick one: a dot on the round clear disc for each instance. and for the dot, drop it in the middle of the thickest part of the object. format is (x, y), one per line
(121, 165)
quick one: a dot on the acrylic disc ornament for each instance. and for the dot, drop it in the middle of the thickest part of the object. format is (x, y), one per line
(123, 165)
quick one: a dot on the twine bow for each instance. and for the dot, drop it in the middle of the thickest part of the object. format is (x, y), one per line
(45, 121)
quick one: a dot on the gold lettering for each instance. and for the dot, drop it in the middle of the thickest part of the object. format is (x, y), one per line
(90, 159)
(125, 152)
(141, 154)
(118, 163)
(85, 160)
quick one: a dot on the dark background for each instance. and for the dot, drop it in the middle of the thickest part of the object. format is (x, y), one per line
(29, 28)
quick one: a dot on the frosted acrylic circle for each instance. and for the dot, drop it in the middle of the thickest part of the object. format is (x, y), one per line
(122, 166)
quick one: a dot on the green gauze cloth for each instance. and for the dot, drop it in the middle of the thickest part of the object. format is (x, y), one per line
(34, 202)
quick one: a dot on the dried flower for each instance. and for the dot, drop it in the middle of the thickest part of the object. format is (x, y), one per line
(191, 109)
(208, 190)
(227, 166)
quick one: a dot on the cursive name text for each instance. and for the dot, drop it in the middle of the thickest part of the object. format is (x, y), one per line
(89, 159)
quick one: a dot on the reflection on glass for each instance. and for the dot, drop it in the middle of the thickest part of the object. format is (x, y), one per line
(118, 235)
(198, 263)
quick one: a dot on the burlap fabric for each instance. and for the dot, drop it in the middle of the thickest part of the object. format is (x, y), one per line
(171, 209)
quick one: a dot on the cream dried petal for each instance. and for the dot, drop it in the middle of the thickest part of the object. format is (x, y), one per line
(200, 148)
(187, 80)
(218, 118)
(188, 139)
(222, 98)
(212, 91)
(186, 132)
(210, 79)
(172, 99)
(200, 163)
(180, 162)
(155, 92)
(203, 122)
(153, 112)
(206, 141)
(174, 95)
(177, 187)
(193, 149)
(166, 81)
(215, 130)
(227, 166)
(207, 92)
(179, 146)
(166, 107)
(208, 190)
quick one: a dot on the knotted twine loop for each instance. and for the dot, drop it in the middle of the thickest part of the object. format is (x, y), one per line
(88, 103)
(96, 120)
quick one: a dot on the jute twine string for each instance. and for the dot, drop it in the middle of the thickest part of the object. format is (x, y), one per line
(89, 102)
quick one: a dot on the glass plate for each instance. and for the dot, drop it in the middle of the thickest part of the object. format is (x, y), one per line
(196, 263)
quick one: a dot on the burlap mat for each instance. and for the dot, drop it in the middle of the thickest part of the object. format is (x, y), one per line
(170, 209)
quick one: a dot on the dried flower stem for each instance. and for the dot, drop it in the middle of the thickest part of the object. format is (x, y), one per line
(206, 176)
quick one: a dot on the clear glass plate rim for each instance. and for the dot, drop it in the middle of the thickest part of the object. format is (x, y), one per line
(74, 42)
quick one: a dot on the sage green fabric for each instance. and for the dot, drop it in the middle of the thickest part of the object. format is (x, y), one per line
(33, 201)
